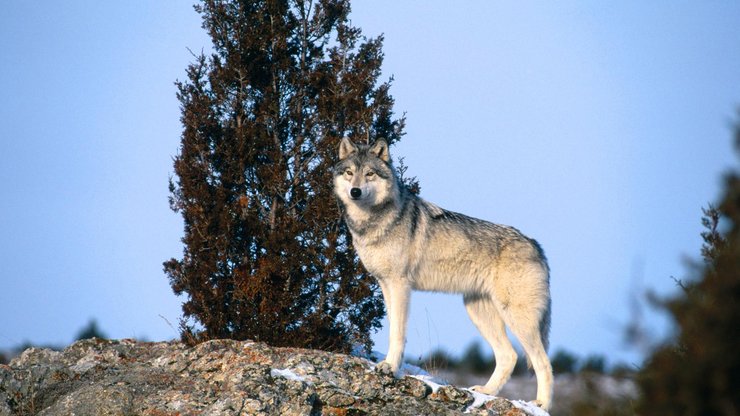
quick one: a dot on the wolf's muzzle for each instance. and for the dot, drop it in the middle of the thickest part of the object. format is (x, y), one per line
(355, 193)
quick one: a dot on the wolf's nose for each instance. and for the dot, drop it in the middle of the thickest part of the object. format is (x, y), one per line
(355, 192)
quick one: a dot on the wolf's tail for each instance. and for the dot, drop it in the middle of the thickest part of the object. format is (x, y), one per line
(545, 324)
(545, 318)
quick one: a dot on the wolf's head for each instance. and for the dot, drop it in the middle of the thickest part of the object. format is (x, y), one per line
(364, 176)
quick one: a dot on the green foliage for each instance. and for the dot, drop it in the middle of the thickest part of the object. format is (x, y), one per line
(594, 401)
(438, 359)
(473, 360)
(699, 373)
(563, 362)
(594, 364)
(714, 242)
(91, 331)
(265, 255)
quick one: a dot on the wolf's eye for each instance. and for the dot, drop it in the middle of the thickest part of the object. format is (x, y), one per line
(370, 174)
(348, 172)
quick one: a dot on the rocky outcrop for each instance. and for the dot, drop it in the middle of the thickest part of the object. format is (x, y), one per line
(224, 377)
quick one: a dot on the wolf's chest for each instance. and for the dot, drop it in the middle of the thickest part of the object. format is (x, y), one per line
(382, 259)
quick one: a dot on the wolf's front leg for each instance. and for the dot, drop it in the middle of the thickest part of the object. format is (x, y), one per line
(396, 294)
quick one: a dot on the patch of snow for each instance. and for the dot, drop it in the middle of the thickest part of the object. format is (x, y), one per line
(406, 368)
(376, 356)
(359, 350)
(529, 408)
(362, 352)
(430, 381)
(479, 399)
(412, 370)
(288, 374)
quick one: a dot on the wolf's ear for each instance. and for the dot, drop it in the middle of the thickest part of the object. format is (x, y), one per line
(380, 149)
(346, 148)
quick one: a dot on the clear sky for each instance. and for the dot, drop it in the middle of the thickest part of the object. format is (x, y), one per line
(600, 129)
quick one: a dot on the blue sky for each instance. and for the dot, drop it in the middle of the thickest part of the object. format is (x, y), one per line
(600, 129)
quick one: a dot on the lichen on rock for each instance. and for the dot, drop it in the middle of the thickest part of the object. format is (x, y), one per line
(221, 377)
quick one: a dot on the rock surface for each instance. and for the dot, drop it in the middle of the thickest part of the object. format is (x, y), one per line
(224, 377)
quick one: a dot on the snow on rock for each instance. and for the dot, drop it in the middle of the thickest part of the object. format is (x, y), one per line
(430, 381)
(480, 402)
(529, 408)
(224, 377)
(479, 399)
(288, 374)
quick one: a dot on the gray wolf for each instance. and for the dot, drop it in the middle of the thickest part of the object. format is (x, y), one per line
(407, 244)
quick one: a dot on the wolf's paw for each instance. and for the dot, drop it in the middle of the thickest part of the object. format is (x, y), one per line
(484, 390)
(539, 404)
(384, 367)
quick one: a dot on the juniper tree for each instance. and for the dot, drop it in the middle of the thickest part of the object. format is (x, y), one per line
(265, 255)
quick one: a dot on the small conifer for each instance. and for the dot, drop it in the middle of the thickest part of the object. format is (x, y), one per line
(266, 256)
(699, 373)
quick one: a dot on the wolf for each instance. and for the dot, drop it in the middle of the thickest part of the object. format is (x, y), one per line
(408, 244)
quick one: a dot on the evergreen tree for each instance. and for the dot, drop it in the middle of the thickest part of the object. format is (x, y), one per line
(699, 374)
(563, 362)
(91, 331)
(265, 255)
(474, 361)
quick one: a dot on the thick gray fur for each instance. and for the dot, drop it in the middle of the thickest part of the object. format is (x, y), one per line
(409, 244)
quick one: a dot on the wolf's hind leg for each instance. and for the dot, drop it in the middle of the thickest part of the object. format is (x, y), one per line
(527, 330)
(485, 316)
